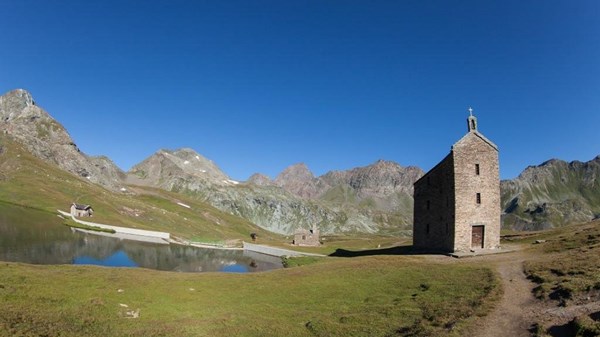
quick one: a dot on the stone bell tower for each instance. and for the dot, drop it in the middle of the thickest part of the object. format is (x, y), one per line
(457, 203)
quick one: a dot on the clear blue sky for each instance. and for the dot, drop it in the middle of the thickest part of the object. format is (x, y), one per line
(259, 85)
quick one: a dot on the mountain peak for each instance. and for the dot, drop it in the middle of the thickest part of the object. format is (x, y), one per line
(297, 172)
(25, 122)
(20, 95)
(186, 151)
(14, 102)
(168, 165)
(298, 166)
(259, 180)
(299, 180)
(550, 162)
(382, 163)
(552, 193)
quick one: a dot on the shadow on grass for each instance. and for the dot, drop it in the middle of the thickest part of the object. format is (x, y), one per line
(399, 250)
(567, 329)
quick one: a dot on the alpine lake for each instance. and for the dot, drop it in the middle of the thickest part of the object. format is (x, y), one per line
(37, 237)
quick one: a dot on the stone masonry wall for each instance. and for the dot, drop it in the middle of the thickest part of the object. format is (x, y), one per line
(433, 227)
(473, 149)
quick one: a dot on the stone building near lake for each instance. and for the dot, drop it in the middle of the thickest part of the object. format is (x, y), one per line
(79, 210)
(457, 203)
(307, 237)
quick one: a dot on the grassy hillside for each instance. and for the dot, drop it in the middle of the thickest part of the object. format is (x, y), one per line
(574, 270)
(569, 275)
(563, 265)
(391, 296)
(28, 181)
(397, 222)
(553, 194)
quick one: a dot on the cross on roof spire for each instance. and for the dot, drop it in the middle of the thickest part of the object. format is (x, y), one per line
(471, 120)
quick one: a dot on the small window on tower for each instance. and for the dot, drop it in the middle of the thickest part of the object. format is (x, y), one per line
(477, 169)
(428, 204)
(427, 228)
(478, 198)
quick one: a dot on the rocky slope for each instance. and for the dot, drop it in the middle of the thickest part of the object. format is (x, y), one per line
(264, 203)
(379, 190)
(29, 181)
(259, 179)
(24, 121)
(374, 198)
(108, 169)
(552, 194)
(299, 180)
(167, 168)
(385, 184)
(377, 197)
(377, 181)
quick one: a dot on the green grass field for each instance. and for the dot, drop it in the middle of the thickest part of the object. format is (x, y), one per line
(27, 181)
(30, 182)
(565, 268)
(377, 295)
(367, 296)
(363, 296)
(574, 270)
(379, 292)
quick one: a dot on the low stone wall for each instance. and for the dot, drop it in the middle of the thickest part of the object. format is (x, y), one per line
(256, 256)
(123, 230)
(124, 236)
(273, 251)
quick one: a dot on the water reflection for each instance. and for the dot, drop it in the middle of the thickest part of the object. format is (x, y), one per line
(235, 268)
(31, 236)
(118, 259)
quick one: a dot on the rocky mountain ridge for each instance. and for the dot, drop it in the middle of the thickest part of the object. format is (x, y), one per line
(378, 180)
(260, 200)
(299, 180)
(22, 120)
(552, 194)
(373, 198)
(259, 179)
(165, 167)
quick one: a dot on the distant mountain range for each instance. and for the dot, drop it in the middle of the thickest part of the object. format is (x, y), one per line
(376, 198)
(47, 139)
(552, 194)
(370, 199)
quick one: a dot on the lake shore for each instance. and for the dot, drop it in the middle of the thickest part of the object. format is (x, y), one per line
(166, 238)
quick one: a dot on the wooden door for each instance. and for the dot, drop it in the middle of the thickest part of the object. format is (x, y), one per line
(477, 237)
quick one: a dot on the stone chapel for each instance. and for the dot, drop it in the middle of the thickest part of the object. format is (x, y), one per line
(457, 203)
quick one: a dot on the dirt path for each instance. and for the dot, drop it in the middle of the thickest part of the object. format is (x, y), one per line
(518, 309)
(512, 316)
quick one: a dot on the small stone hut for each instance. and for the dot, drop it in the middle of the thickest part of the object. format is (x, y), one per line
(80, 210)
(307, 237)
(457, 203)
